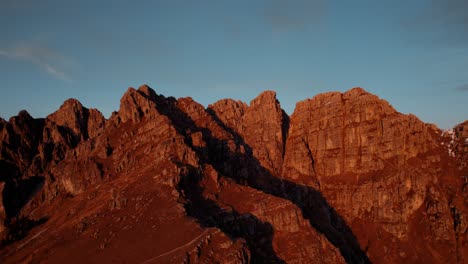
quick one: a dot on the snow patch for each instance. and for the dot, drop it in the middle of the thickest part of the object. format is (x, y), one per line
(447, 131)
(451, 133)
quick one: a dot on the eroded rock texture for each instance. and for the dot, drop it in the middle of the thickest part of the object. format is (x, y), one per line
(346, 178)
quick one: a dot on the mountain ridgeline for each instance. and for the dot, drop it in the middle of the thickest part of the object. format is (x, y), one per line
(344, 179)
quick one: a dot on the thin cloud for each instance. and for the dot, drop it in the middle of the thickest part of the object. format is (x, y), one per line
(47, 59)
(462, 88)
(295, 14)
(58, 74)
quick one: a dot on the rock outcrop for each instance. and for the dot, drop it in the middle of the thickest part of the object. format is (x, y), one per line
(345, 179)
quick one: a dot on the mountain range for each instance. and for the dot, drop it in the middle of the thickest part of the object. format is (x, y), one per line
(345, 179)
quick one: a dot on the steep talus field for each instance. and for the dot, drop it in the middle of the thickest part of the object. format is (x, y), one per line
(344, 179)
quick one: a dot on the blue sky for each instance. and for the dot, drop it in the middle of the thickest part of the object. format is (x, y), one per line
(414, 55)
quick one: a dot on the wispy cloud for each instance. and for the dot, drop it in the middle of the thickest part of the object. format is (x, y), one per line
(294, 14)
(44, 57)
(462, 88)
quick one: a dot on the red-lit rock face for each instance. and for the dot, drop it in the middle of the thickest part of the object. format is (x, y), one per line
(346, 178)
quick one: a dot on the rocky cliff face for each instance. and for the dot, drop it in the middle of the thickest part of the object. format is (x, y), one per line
(263, 125)
(346, 178)
(383, 171)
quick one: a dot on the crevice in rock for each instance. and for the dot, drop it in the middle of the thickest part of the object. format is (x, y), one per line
(456, 218)
(312, 161)
(285, 124)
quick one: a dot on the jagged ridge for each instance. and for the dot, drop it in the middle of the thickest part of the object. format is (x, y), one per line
(345, 177)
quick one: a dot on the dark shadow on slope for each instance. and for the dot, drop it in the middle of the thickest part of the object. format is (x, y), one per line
(321, 215)
(18, 192)
(257, 234)
(245, 169)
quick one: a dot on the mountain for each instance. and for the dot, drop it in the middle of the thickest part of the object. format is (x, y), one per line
(344, 179)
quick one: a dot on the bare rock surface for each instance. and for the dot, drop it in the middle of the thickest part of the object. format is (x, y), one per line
(345, 179)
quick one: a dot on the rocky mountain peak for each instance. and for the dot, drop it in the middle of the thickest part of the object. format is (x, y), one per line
(22, 117)
(71, 114)
(265, 97)
(82, 122)
(357, 91)
(136, 104)
(230, 112)
(264, 128)
(72, 104)
(147, 91)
